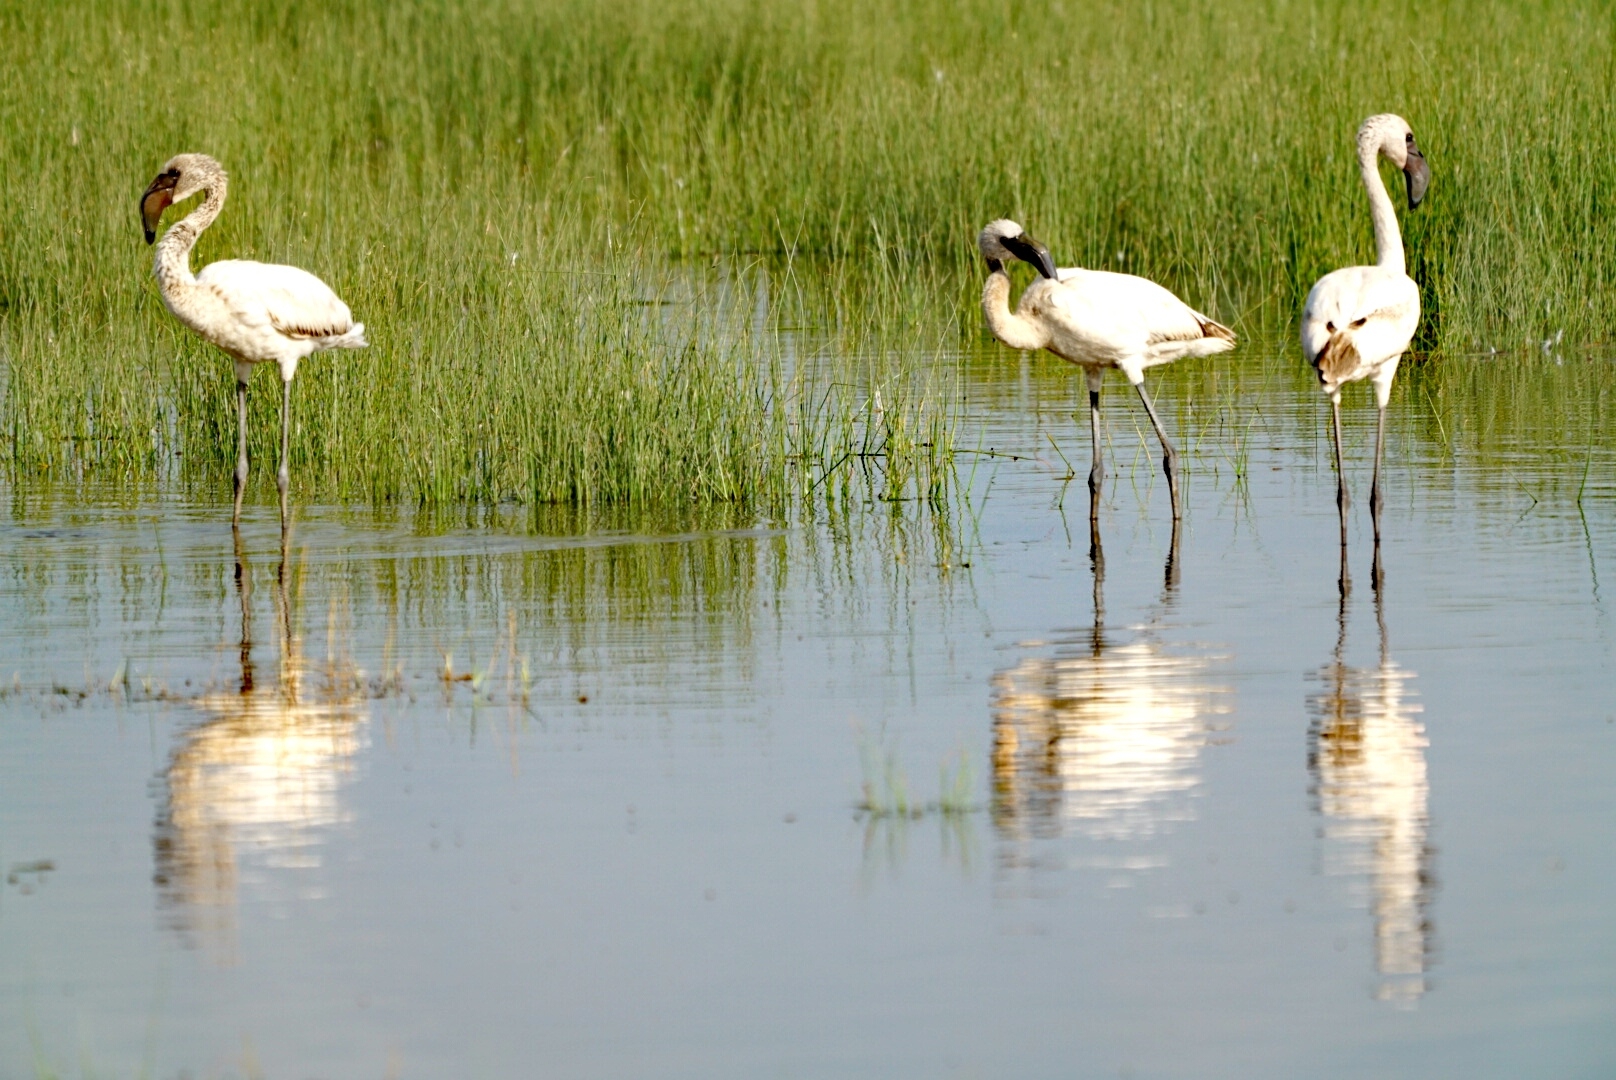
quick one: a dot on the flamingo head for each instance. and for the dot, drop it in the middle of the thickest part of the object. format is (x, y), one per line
(183, 176)
(1390, 136)
(1003, 240)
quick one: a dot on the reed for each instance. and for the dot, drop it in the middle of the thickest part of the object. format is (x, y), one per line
(669, 252)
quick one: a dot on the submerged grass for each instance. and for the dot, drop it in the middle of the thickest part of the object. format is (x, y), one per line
(722, 250)
(885, 789)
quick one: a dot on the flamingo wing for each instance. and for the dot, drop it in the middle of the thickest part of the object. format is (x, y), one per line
(1136, 310)
(293, 302)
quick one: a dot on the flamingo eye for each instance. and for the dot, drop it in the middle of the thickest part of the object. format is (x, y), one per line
(1409, 138)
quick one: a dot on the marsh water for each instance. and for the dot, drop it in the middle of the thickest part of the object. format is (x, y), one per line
(887, 790)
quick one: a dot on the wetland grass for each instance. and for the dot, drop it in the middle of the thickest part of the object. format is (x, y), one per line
(721, 251)
(885, 791)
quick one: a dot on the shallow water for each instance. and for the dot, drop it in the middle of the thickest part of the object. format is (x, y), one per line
(621, 797)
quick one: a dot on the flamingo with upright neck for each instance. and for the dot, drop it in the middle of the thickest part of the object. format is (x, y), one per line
(1358, 321)
(256, 312)
(1096, 320)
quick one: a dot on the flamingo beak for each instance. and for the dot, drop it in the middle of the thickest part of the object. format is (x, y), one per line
(1418, 175)
(1031, 251)
(152, 204)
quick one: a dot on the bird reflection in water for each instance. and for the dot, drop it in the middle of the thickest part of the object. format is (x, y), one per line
(259, 778)
(1366, 756)
(1103, 737)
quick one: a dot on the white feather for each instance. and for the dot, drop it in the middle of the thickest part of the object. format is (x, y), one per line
(1092, 318)
(1371, 312)
(294, 301)
(1378, 312)
(1129, 322)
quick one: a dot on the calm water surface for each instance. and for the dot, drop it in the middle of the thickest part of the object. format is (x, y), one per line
(426, 800)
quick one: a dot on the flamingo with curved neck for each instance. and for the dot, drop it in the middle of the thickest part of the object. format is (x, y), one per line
(1096, 320)
(255, 312)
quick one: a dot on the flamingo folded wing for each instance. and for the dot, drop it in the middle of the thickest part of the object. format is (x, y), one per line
(293, 301)
(1123, 300)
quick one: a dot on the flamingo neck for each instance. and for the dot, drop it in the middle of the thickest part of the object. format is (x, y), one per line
(173, 263)
(1007, 326)
(1388, 238)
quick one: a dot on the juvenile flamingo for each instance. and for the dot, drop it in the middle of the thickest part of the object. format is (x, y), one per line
(1358, 321)
(1096, 320)
(256, 312)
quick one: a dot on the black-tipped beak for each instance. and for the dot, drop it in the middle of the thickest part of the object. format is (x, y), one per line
(152, 204)
(1031, 251)
(1418, 175)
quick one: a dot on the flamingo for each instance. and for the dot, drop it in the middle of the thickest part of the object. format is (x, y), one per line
(1358, 321)
(1096, 320)
(256, 312)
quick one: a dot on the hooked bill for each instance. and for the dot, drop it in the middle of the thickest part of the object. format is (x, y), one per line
(156, 199)
(1031, 251)
(1417, 173)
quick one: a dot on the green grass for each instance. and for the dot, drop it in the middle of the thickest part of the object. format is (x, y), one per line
(667, 252)
(885, 792)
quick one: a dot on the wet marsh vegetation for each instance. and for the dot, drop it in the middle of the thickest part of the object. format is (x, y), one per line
(525, 205)
(688, 657)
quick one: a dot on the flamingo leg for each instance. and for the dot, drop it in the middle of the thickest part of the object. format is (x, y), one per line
(1169, 455)
(1376, 498)
(241, 441)
(1097, 472)
(1342, 500)
(283, 479)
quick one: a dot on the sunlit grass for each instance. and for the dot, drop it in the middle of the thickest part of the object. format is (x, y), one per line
(670, 252)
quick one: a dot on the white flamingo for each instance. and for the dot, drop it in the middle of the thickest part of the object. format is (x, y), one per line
(256, 312)
(1357, 321)
(1096, 320)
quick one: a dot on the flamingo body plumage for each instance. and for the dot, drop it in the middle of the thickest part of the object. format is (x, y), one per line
(268, 313)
